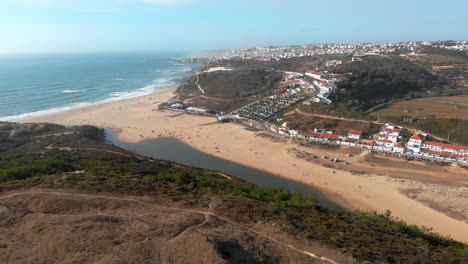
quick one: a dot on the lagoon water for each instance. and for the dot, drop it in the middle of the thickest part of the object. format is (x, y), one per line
(177, 151)
(32, 85)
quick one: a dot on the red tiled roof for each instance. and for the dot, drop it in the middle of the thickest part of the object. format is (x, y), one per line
(330, 135)
(392, 130)
(400, 145)
(444, 145)
(418, 137)
(384, 141)
(445, 153)
(315, 135)
(355, 132)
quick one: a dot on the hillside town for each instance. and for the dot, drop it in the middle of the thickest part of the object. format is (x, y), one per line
(358, 49)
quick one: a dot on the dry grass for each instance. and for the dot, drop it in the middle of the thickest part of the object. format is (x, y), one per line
(308, 123)
(452, 107)
(46, 226)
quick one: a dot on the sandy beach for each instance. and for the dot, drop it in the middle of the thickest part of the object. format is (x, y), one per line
(139, 118)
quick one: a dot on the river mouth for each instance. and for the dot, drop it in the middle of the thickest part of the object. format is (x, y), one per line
(177, 151)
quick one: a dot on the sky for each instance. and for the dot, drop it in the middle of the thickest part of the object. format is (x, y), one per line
(37, 26)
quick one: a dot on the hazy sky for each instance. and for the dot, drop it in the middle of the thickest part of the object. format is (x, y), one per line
(194, 25)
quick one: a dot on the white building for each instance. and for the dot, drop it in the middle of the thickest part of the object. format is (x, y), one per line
(399, 147)
(389, 133)
(314, 74)
(354, 134)
(383, 145)
(415, 142)
(444, 149)
(321, 99)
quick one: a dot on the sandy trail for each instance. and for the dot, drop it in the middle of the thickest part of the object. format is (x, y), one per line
(138, 119)
(198, 85)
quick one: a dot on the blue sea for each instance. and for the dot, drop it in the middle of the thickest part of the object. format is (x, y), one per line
(33, 85)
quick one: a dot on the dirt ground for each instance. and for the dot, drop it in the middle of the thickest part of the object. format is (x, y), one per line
(455, 107)
(60, 226)
(309, 122)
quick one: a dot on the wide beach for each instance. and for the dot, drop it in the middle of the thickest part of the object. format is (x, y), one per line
(138, 119)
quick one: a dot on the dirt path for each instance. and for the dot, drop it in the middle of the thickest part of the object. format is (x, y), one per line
(206, 215)
(198, 85)
(297, 110)
(213, 98)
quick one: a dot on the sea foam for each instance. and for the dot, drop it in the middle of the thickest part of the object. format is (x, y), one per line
(77, 89)
(114, 97)
(73, 91)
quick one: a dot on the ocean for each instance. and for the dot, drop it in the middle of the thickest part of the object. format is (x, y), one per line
(33, 85)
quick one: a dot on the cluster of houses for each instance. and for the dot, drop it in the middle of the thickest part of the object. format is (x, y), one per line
(386, 141)
(325, 84)
(299, 81)
(277, 53)
(352, 138)
(419, 146)
(301, 85)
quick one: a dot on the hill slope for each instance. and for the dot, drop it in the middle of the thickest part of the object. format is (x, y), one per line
(103, 204)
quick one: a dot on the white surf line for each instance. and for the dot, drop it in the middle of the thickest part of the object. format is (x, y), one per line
(199, 87)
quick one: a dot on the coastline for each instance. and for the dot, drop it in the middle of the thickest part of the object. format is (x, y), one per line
(138, 119)
(144, 91)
